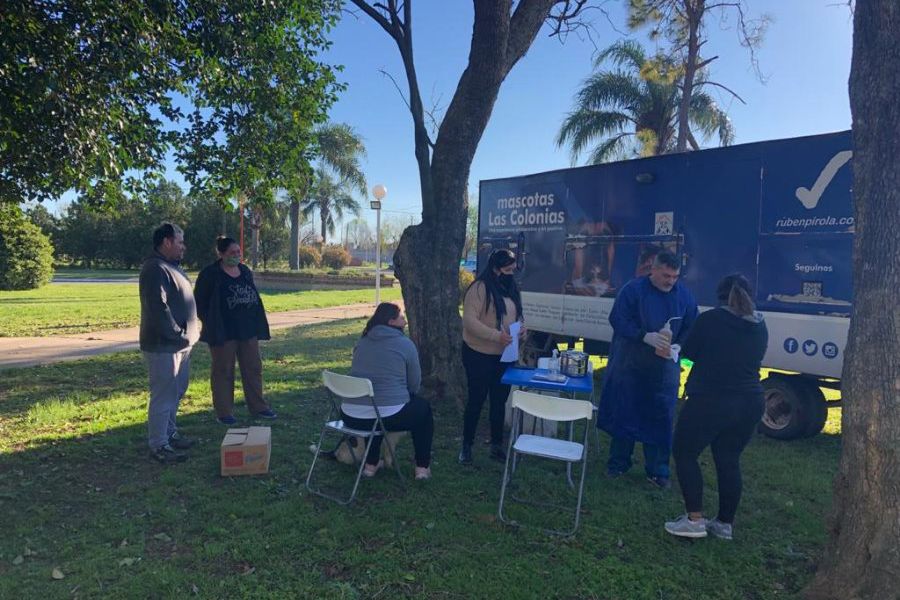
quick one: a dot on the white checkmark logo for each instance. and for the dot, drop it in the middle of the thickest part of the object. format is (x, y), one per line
(809, 198)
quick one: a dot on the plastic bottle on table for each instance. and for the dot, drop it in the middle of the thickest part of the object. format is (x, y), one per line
(553, 363)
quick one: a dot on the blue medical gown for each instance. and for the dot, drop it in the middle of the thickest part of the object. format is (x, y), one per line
(640, 388)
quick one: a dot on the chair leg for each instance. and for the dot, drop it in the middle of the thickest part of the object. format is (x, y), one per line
(571, 427)
(507, 478)
(584, 463)
(359, 472)
(362, 466)
(315, 459)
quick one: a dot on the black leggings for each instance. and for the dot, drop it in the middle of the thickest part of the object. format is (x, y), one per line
(415, 417)
(483, 374)
(726, 423)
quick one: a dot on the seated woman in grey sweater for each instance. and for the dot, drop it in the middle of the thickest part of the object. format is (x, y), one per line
(389, 359)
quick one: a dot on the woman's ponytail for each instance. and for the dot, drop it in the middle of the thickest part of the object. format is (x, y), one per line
(740, 302)
(734, 291)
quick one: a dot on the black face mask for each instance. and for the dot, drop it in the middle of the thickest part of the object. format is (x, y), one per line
(506, 281)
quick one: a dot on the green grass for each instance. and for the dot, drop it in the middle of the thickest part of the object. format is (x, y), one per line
(68, 308)
(78, 493)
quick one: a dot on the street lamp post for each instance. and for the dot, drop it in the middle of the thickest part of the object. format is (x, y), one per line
(379, 191)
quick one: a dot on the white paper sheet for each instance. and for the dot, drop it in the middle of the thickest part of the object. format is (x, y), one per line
(511, 352)
(676, 350)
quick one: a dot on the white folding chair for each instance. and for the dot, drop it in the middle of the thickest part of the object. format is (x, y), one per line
(352, 390)
(570, 452)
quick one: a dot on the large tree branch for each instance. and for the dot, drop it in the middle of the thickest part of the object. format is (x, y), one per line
(703, 63)
(400, 29)
(372, 10)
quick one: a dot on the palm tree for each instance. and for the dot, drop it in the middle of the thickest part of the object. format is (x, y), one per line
(634, 109)
(331, 197)
(338, 152)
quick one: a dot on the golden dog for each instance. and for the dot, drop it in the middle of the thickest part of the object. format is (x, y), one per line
(351, 449)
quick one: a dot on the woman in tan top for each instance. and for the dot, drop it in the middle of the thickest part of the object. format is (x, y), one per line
(492, 303)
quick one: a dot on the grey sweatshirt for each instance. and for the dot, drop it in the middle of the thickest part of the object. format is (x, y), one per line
(168, 312)
(390, 361)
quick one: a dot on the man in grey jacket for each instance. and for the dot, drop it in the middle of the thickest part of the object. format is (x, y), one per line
(169, 329)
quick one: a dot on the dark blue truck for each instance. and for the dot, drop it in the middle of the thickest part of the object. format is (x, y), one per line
(778, 211)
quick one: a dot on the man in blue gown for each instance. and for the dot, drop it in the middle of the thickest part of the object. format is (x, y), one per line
(640, 387)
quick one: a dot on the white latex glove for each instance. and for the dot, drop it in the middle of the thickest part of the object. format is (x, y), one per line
(656, 340)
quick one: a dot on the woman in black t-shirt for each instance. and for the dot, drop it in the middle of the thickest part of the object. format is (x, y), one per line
(724, 405)
(234, 321)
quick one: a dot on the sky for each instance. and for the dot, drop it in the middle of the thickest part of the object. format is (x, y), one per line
(804, 58)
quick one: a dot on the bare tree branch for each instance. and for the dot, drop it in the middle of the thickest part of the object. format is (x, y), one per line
(716, 84)
(435, 113)
(563, 18)
(583, 27)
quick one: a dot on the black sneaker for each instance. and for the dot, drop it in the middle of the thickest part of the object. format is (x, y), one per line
(497, 452)
(266, 414)
(465, 454)
(662, 483)
(167, 455)
(180, 442)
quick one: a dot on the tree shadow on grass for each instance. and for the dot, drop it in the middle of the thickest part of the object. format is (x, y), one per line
(80, 494)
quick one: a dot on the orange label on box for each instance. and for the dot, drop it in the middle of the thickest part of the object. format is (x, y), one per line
(234, 459)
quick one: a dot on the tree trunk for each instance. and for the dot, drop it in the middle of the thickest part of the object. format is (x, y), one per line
(862, 559)
(426, 262)
(323, 219)
(694, 10)
(293, 259)
(255, 226)
(427, 259)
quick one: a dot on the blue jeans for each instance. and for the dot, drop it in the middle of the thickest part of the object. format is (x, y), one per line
(656, 458)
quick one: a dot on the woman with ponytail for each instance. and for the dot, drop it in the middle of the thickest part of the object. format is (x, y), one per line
(724, 405)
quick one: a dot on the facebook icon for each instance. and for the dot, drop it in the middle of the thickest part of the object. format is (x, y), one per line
(791, 345)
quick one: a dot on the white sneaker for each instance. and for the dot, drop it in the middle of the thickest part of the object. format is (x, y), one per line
(684, 527)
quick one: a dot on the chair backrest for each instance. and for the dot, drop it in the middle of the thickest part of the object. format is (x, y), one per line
(354, 390)
(551, 407)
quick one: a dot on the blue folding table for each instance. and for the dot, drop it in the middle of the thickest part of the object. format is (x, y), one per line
(525, 379)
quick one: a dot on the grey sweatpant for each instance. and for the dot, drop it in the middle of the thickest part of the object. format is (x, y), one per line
(168, 373)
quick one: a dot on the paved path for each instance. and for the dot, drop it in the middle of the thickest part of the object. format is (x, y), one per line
(30, 351)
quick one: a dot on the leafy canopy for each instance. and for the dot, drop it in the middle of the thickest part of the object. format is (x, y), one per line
(93, 93)
(633, 109)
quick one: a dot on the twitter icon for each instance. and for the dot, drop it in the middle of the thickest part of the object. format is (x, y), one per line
(810, 347)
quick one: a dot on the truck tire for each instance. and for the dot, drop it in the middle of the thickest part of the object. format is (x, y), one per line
(787, 409)
(817, 407)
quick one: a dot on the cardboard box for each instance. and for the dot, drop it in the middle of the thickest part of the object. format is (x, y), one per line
(246, 451)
